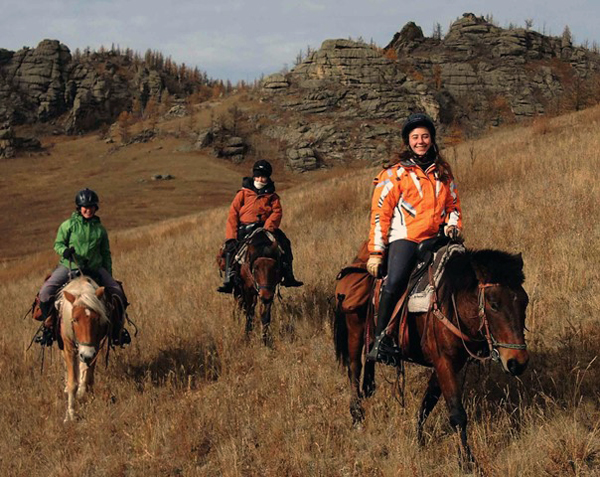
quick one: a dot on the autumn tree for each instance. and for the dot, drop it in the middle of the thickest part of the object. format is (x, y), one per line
(151, 112)
(124, 125)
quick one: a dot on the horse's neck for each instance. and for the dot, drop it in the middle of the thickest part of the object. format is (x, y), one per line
(66, 317)
(468, 311)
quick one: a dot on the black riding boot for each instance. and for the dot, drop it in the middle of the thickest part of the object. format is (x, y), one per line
(120, 335)
(46, 336)
(227, 286)
(288, 275)
(384, 350)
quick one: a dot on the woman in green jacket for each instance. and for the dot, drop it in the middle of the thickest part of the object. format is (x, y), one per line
(82, 243)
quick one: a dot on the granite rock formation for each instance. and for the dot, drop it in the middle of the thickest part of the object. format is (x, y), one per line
(347, 99)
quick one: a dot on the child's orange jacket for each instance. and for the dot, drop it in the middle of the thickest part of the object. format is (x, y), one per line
(250, 206)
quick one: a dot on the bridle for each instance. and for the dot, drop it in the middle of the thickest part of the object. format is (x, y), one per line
(103, 341)
(484, 326)
(257, 286)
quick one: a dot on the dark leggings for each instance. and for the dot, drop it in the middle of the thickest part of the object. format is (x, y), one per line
(401, 260)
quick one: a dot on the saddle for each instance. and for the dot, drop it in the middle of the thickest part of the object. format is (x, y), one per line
(420, 294)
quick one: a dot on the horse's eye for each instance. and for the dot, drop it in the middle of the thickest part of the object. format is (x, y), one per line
(494, 306)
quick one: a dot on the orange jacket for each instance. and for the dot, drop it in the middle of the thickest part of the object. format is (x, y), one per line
(410, 204)
(251, 205)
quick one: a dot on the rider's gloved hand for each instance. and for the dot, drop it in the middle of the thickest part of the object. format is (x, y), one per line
(69, 253)
(373, 265)
(230, 244)
(453, 232)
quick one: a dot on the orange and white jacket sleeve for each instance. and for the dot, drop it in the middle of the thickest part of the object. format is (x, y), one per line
(385, 198)
(274, 219)
(233, 218)
(453, 211)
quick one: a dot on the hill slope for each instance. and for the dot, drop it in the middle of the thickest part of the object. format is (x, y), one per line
(191, 397)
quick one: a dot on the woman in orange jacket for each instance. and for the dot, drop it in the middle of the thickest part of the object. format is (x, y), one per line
(256, 205)
(411, 201)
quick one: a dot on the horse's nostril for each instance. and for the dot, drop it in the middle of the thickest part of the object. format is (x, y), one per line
(515, 368)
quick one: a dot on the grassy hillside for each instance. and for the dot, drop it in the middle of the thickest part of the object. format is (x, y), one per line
(192, 397)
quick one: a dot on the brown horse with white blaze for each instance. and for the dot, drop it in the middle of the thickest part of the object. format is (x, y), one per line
(260, 274)
(478, 312)
(84, 329)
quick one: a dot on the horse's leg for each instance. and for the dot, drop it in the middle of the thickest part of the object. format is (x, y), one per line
(84, 371)
(368, 386)
(249, 305)
(355, 347)
(71, 363)
(432, 395)
(265, 316)
(447, 374)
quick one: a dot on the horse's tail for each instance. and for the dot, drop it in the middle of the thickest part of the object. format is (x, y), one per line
(340, 332)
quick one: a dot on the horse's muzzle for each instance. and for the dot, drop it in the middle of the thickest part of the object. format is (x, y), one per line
(516, 363)
(87, 354)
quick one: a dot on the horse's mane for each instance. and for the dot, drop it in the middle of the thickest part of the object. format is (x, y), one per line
(262, 246)
(464, 271)
(84, 290)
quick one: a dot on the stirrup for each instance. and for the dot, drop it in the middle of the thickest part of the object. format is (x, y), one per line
(385, 351)
(226, 288)
(123, 340)
(291, 282)
(44, 337)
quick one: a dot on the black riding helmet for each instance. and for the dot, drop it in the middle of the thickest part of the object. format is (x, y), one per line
(262, 168)
(86, 198)
(418, 120)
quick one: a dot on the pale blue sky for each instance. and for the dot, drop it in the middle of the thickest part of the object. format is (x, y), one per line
(237, 39)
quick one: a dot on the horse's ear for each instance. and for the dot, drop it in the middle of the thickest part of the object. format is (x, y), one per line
(520, 260)
(100, 292)
(70, 298)
(480, 273)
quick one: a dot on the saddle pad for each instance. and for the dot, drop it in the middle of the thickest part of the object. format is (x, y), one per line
(420, 298)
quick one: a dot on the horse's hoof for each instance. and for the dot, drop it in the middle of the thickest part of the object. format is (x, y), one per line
(358, 425)
(70, 417)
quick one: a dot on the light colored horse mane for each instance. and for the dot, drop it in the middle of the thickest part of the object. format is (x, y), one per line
(84, 289)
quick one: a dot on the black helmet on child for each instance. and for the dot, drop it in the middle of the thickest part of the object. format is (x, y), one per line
(418, 120)
(86, 198)
(262, 168)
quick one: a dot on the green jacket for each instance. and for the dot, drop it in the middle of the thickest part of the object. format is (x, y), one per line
(90, 239)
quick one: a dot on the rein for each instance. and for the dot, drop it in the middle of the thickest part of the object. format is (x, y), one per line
(484, 326)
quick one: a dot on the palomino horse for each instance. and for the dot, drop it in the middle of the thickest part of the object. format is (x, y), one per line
(260, 273)
(479, 312)
(84, 329)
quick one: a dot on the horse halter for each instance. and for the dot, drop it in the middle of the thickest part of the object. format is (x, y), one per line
(78, 343)
(258, 287)
(484, 327)
(484, 322)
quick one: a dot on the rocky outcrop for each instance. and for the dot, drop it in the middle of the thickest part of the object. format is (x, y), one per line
(477, 76)
(7, 141)
(78, 92)
(354, 90)
(494, 74)
(10, 144)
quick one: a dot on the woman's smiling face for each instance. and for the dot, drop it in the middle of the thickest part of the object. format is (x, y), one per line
(419, 141)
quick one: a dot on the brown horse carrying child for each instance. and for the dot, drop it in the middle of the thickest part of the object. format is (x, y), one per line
(478, 311)
(259, 272)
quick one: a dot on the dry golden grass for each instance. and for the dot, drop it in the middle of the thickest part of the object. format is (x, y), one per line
(192, 397)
